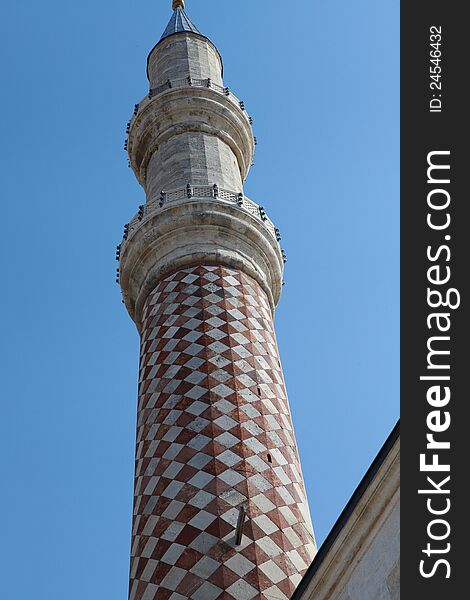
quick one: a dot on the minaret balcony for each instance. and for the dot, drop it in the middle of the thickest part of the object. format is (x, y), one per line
(198, 225)
(195, 108)
(188, 193)
(191, 82)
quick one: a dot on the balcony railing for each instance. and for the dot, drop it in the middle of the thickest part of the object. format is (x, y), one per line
(206, 83)
(189, 193)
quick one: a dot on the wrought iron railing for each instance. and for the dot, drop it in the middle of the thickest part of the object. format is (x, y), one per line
(206, 83)
(200, 192)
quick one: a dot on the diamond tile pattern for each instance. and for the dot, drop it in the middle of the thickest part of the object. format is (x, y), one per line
(214, 434)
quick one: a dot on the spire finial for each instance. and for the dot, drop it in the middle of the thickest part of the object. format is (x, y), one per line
(178, 4)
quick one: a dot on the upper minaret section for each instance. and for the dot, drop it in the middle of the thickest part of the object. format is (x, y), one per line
(183, 49)
(191, 129)
(190, 144)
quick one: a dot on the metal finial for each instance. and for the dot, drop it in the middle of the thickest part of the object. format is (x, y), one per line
(178, 4)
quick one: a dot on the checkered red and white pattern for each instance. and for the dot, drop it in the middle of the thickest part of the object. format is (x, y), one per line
(214, 434)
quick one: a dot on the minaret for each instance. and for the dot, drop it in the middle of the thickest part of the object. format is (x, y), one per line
(220, 510)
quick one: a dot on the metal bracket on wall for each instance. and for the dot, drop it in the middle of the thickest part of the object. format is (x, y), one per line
(240, 525)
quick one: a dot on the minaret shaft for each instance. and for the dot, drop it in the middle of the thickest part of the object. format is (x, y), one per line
(192, 156)
(215, 441)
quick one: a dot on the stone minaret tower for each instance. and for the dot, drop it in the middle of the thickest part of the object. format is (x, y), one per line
(220, 511)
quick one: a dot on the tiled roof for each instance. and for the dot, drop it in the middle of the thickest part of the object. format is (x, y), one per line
(179, 23)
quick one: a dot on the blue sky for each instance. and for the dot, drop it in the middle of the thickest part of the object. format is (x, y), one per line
(321, 81)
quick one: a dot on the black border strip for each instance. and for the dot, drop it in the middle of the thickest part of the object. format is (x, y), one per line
(435, 335)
